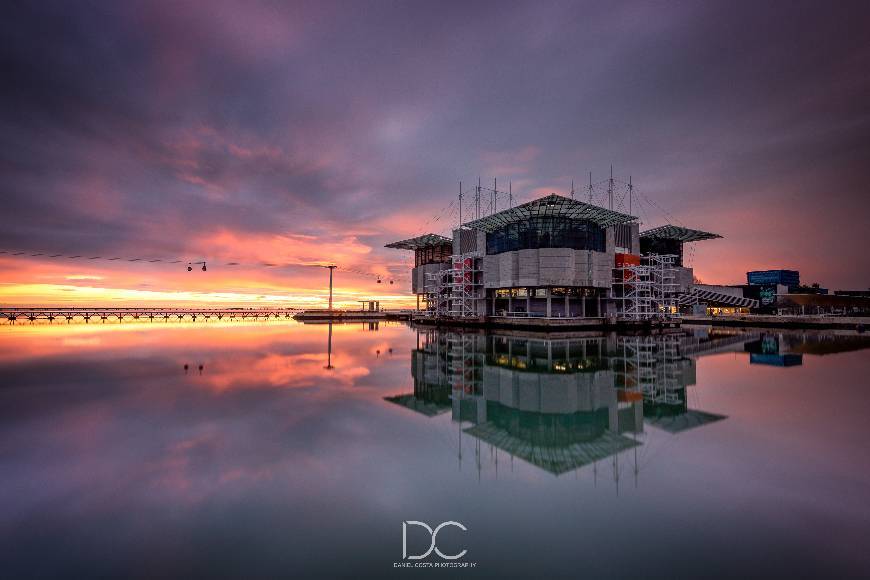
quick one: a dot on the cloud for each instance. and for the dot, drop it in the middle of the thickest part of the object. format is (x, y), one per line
(322, 131)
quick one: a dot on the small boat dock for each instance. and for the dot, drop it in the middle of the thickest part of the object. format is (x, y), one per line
(370, 310)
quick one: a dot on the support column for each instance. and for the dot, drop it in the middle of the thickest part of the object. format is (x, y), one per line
(549, 305)
(549, 355)
(599, 306)
(583, 307)
(567, 305)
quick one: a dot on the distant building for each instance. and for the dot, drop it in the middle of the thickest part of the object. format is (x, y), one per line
(864, 293)
(789, 278)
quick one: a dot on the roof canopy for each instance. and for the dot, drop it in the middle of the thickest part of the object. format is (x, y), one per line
(678, 233)
(551, 206)
(556, 460)
(420, 242)
(688, 420)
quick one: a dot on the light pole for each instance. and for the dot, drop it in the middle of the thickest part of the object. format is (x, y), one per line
(331, 268)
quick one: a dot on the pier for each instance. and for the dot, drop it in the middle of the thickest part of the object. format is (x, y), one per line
(13, 314)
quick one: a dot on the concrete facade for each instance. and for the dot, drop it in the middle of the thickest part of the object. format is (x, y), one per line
(684, 279)
(549, 393)
(418, 276)
(548, 267)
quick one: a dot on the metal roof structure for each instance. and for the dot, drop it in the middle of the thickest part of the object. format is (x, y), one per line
(678, 233)
(719, 298)
(424, 241)
(551, 206)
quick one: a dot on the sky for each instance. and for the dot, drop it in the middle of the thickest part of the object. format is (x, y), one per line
(309, 133)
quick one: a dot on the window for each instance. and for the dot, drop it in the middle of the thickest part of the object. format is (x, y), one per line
(433, 254)
(546, 232)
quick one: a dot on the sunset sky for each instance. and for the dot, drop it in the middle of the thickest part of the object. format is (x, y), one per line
(303, 133)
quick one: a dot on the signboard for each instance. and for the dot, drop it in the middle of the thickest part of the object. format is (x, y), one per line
(767, 295)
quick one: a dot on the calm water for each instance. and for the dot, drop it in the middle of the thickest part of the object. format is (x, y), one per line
(710, 454)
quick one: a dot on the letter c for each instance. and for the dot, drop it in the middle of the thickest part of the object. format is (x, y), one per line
(435, 533)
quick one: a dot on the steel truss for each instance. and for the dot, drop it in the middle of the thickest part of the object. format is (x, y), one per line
(648, 290)
(455, 291)
(653, 366)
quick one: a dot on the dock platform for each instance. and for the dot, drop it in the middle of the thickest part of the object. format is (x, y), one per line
(544, 324)
(859, 323)
(351, 315)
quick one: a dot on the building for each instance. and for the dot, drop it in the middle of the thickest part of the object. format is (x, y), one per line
(432, 253)
(553, 258)
(671, 240)
(789, 278)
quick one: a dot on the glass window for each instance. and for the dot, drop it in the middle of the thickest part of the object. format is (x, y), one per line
(433, 254)
(546, 232)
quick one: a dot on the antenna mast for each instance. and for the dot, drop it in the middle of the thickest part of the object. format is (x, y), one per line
(590, 187)
(477, 200)
(610, 188)
(460, 204)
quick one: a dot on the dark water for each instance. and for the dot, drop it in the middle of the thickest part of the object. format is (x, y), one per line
(716, 454)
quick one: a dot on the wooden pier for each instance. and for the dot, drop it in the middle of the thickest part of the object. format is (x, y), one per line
(87, 314)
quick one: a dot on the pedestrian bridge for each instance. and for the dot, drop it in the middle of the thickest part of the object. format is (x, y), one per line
(13, 314)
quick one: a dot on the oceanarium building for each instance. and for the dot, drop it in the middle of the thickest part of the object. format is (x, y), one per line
(553, 257)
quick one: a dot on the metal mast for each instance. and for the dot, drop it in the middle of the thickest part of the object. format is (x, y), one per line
(590, 187)
(610, 188)
(477, 200)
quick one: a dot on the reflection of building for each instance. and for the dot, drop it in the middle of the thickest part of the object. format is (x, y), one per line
(766, 351)
(552, 403)
(660, 369)
(786, 349)
(561, 403)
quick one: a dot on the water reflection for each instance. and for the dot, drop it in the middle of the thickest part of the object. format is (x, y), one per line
(563, 403)
(275, 449)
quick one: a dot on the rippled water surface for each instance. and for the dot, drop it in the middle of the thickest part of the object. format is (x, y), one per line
(278, 449)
